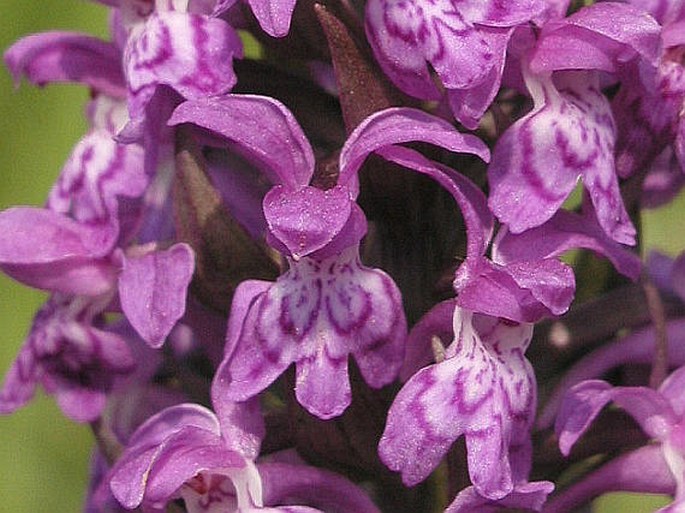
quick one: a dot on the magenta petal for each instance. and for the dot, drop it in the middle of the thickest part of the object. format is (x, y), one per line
(273, 15)
(494, 13)
(262, 127)
(68, 57)
(245, 295)
(168, 421)
(322, 385)
(584, 401)
(242, 424)
(81, 404)
(153, 288)
(522, 291)
(401, 125)
(601, 36)
(259, 355)
(307, 219)
(49, 251)
(414, 440)
(283, 483)
(397, 49)
(469, 105)
(184, 455)
(672, 389)
(437, 322)
(131, 473)
(643, 470)
(319, 310)
(37, 236)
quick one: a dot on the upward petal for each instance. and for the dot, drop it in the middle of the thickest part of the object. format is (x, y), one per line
(401, 125)
(262, 127)
(585, 400)
(603, 36)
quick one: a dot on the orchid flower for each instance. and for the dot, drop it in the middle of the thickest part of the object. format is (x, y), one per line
(327, 305)
(570, 133)
(188, 452)
(660, 415)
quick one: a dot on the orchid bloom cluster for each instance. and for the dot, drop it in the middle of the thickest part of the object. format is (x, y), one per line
(308, 256)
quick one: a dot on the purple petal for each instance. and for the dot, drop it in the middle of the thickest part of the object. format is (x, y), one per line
(526, 496)
(284, 483)
(585, 400)
(672, 390)
(99, 171)
(401, 125)
(259, 355)
(153, 289)
(273, 15)
(68, 57)
(393, 36)
(539, 159)
(601, 36)
(565, 231)
(183, 456)
(678, 276)
(264, 128)
(131, 472)
(242, 424)
(307, 219)
(80, 404)
(160, 55)
(49, 251)
(525, 291)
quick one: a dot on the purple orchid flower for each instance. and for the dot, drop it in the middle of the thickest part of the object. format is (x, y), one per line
(660, 415)
(484, 390)
(104, 202)
(648, 106)
(570, 133)
(465, 42)
(72, 356)
(188, 452)
(497, 301)
(73, 245)
(327, 305)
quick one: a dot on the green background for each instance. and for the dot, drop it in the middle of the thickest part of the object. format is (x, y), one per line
(44, 457)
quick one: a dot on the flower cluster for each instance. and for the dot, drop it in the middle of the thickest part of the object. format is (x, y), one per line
(276, 283)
